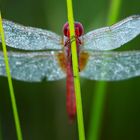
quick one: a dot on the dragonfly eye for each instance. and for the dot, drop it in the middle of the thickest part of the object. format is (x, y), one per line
(66, 29)
(79, 30)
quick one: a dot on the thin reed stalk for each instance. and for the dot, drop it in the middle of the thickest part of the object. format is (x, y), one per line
(11, 89)
(76, 73)
(100, 89)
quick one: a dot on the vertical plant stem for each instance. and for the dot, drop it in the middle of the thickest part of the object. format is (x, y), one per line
(113, 13)
(76, 72)
(97, 110)
(100, 89)
(1, 138)
(12, 96)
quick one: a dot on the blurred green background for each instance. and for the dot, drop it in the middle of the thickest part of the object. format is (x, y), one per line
(41, 106)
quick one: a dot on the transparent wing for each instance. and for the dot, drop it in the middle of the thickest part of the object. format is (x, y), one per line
(112, 66)
(33, 67)
(114, 36)
(29, 38)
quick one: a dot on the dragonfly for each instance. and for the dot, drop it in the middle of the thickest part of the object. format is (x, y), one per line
(47, 56)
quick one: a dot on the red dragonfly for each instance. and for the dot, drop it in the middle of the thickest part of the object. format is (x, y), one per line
(48, 56)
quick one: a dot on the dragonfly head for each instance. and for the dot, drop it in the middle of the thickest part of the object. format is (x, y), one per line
(79, 30)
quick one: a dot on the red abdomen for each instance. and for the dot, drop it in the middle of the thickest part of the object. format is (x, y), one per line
(67, 67)
(70, 98)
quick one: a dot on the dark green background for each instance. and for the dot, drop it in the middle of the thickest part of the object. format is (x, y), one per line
(41, 106)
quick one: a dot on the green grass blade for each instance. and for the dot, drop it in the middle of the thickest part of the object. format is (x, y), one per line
(76, 73)
(100, 89)
(12, 96)
(113, 13)
(1, 138)
(97, 110)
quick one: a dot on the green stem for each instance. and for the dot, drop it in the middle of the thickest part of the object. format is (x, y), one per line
(113, 14)
(100, 89)
(97, 110)
(12, 96)
(0, 130)
(76, 73)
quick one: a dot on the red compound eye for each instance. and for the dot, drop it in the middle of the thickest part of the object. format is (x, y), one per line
(66, 29)
(79, 30)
